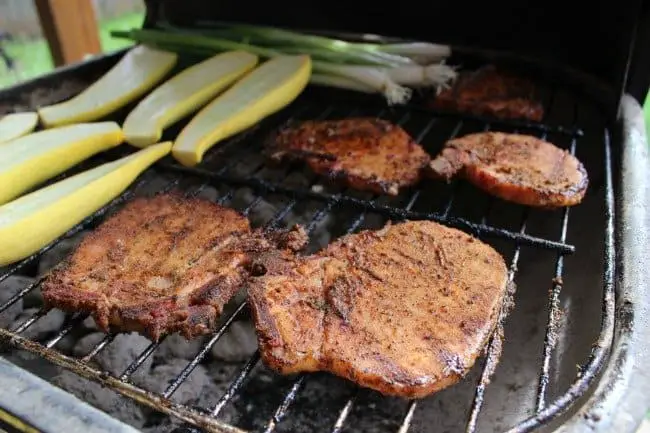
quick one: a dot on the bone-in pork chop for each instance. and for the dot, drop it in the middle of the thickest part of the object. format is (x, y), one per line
(365, 153)
(493, 92)
(514, 167)
(159, 265)
(404, 310)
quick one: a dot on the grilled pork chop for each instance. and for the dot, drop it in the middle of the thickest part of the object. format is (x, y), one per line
(515, 167)
(404, 310)
(489, 91)
(160, 265)
(367, 154)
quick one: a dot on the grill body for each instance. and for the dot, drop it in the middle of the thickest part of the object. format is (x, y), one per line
(554, 35)
(581, 283)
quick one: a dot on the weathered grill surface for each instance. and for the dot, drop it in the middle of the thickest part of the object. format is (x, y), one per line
(236, 174)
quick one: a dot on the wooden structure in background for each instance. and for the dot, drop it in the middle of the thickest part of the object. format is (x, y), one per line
(70, 28)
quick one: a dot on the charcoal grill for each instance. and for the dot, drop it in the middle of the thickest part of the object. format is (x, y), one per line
(574, 343)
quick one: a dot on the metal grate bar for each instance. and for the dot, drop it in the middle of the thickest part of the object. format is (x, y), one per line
(74, 321)
(236, 384)
(318, 216)
(553, 312)
(572, 131)
(98, 347)
(140, 359)
(488, 209)
(460, 223)
(29, 322)
(511, 123)
(153, 400)
(343, 415)
(281, 411)
(600, 350)
(406, 423)
(280, 215)
(454, 183)
(254, 203)
(178, 380)
(494, 346)
(20, 294)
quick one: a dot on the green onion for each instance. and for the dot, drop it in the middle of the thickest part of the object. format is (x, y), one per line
(395, 53)
(377, 78)
(437, 75)
(204, 43)
(423, 53)
(348, 65)
(340, 82)
(275, 36)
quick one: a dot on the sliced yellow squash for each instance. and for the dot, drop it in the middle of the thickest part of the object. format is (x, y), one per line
(264, 91)
(139, 70)
(30, 160)
(33, 221)
(16, 125)
(184, 94)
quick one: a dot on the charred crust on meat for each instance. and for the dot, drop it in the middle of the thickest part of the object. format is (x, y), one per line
(367, 154)
(369, 309)
(515, 167)
(493, 92)
(163, 264)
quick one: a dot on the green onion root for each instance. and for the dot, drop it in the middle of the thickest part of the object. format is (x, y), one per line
(439, 75)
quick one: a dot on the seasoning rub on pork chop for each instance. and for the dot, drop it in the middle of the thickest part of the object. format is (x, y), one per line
(365, 153)
(159, 265)
(404, 310)
(492, 91)
(514, 167)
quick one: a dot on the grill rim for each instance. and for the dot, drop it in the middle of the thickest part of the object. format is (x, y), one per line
(619, 402)
(634, 186)
(18, 412)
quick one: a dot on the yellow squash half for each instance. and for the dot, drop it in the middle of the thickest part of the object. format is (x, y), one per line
(30, 160)
(183, 94)
(267, 89)
(139, 70)
(33, 221)
(16, 125)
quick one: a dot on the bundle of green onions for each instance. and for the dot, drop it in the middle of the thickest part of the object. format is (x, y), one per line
(390, 69)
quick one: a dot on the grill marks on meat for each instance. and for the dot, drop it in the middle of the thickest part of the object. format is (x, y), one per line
(489, 91)
(514, 167)
(367, 154)
(158, 266)
(404, 310)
